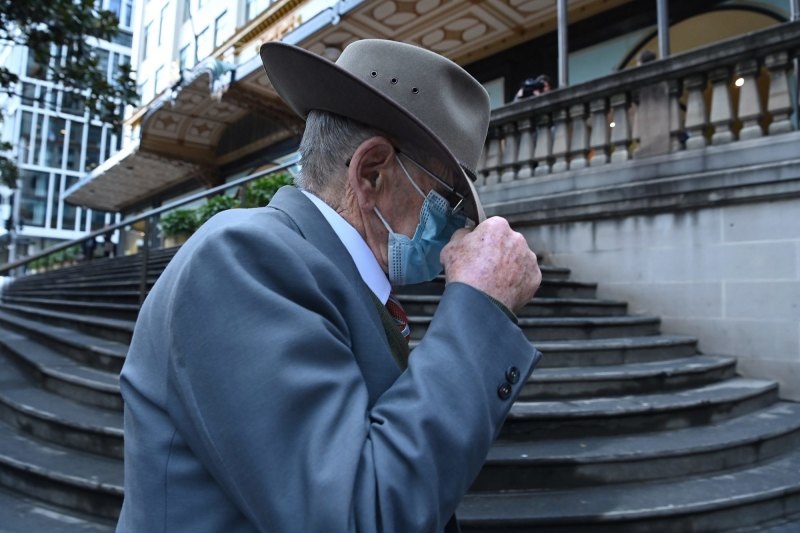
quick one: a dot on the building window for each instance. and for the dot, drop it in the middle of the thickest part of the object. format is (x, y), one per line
(221, 29)
(115, 6)
(72, 103)
(93, 147)
(255, 7)
(35, 69)
(68, 217)
(161, 22)
(33, 206)
(158, 79)
(145, 39)
(204, 44)
(74, 147)
(187, 10)
(54, 149)
(127, 13)
(183, 57)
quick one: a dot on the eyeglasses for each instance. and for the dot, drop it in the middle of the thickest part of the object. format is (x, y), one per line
(453, 197)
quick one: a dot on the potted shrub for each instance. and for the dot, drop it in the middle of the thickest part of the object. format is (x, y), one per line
(260, 191)
(177, 226)
(215, 205)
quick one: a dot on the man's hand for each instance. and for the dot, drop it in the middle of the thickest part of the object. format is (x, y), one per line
(494, 259)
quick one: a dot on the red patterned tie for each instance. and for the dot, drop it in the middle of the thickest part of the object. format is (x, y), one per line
(400, 317)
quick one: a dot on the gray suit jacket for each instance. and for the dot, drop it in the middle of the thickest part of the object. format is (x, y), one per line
(261, 394)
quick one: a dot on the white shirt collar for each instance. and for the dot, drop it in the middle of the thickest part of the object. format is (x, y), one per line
(365, 261)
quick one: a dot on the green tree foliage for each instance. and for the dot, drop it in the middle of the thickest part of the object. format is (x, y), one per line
(260, 191)
(215, 205)
(58, 34)
(179, 221)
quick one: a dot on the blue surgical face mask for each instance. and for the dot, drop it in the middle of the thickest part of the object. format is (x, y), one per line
(416, 260)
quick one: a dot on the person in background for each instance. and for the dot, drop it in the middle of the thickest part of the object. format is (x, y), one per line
(534, 87)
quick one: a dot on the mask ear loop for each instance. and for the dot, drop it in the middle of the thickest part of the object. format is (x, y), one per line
(405, 171)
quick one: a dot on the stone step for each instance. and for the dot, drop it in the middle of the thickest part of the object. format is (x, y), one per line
(62, 375)
(125, 297)
(425, 304)
(729, 500)
(630, 378)
(92, 351)
(20, 514)
(57, 419)
(60, 476)
(574, 462)
(550, 288)
(568, 328)
(109, 285)
(105, 309)
(618, 351)
(105, 328)
(604, 352)
(637, 413)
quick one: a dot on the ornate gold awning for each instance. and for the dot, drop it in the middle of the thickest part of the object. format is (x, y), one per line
(182, 133)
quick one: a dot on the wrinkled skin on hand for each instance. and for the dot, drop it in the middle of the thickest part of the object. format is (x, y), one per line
(495, 259)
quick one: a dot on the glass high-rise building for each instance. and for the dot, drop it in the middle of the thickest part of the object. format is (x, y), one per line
(56, 139)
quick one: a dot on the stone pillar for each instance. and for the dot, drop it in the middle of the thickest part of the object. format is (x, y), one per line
(509, 148)
(696, 112)
(526, 147)
(749, 100)
(492, 157)
(543, 145)
(721, 109)
(676, 132)
(579, 140)
(560, 141)
(779, 104)
(598, 142)
(621, 132)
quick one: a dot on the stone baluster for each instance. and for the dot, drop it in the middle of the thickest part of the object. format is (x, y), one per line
(526, 148)
(599, 140)
(779, 104)
(749, 100)
(509, 161)
(676, 132)
(560, 141)
(492, 157)
(721, 108)
(696, 119)
(579, 139)
(543, 145)
(621, 132)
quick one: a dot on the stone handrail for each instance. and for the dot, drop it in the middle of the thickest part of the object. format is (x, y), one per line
(684, 102)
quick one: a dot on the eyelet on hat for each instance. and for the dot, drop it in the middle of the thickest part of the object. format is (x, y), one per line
(415, 90)
(373, 74)
(394, 81)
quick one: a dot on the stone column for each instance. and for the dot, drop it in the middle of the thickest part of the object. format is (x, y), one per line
(560, 141)
(598, 142)
(526, 147)
(492, 157)
(721, 109)
(509, 148)
(676, 131)
(749, 100)
(621, 132)
(543, 145)
(696, 112)
(779, 104)
(579, 140)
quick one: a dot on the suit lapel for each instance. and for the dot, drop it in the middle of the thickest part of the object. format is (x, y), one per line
(311, 224)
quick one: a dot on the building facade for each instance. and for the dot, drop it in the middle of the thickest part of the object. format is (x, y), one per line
(56, 140)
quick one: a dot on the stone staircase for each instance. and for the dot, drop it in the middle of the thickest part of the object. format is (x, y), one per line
(620, 428)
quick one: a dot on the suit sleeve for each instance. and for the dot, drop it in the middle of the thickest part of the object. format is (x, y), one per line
(269, 395)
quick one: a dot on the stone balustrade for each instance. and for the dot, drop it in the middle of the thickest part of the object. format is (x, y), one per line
(738, 89)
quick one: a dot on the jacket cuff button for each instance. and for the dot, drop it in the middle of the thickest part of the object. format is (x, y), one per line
(512, 374)
(504, 391)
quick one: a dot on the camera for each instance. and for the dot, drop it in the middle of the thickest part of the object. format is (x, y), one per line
(530, 85)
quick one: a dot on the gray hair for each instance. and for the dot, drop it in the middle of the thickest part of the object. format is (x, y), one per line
(329, 141)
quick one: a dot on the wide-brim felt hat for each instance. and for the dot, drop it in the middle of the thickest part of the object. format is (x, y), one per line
(417, 97)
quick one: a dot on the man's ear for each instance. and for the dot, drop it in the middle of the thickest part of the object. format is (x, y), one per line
(368, 170)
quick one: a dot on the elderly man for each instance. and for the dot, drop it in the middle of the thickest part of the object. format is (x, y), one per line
(269, 385)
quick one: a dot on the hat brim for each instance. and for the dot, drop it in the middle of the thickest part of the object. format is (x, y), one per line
(307, 81)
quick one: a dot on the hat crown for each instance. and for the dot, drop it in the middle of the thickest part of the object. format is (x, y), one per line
(435, 90)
